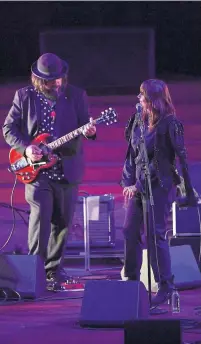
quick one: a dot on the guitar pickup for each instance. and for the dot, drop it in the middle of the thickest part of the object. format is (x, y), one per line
(18, 165)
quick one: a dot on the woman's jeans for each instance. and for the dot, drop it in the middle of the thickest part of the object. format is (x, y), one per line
(159, 248)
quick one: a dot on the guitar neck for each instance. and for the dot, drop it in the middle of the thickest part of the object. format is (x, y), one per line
(108, 117)
(66, 138)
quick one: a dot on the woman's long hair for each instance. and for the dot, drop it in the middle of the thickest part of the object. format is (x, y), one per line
(157, 95)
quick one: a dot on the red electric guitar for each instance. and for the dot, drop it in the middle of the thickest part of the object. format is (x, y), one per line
(26, 171)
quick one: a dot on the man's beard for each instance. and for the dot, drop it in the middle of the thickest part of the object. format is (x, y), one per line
(53, 93)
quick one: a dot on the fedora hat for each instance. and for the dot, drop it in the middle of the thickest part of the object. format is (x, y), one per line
(49, 67)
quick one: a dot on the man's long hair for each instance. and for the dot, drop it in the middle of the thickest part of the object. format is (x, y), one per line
(39, 84)
(157, 94)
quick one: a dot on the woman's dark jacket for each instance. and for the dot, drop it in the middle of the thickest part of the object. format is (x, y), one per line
(168, 143)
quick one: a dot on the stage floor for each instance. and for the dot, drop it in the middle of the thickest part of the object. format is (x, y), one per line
(54, 318)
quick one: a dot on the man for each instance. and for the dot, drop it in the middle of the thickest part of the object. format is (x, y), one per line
(50, 105)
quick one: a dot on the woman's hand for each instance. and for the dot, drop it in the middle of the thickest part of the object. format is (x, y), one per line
(129, 192)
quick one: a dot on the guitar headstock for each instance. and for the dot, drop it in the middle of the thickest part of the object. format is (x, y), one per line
(108, 117)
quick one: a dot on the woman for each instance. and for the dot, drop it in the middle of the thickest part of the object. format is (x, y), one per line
(164, 140)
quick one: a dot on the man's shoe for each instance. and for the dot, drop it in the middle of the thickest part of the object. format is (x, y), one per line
(50, 276)
(60, 281)
(57, 276)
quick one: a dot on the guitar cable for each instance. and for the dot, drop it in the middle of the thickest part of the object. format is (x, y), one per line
(14, 216)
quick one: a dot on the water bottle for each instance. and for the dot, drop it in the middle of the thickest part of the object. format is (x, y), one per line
(175, 301)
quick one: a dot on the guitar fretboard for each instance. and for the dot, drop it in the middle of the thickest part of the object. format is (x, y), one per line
(108, 117)
(66, 138)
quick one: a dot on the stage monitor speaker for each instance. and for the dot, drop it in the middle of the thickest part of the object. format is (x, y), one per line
(193, 241)
(164, 331)
(184, 268)
(113, 303)
(24, 274)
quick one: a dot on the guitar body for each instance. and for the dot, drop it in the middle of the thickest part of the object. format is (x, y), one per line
(25, 170)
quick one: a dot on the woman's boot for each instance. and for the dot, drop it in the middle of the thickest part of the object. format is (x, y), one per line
(164, 292)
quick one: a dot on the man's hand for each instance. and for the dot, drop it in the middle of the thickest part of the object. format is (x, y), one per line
(89, 129)
(129, 191)
(33, 153)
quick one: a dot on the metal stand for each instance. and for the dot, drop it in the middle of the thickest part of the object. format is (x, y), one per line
(86, 254)
(87, 266)
(86, 235)
(148, 211)
(147, 202)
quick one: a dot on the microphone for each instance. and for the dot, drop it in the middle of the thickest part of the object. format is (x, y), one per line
(138, 107)
(139, 111)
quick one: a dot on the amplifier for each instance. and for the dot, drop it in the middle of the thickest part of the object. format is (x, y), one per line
(186, 220)
(101, 224)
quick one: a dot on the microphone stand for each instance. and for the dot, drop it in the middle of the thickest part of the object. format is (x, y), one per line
(148, 208)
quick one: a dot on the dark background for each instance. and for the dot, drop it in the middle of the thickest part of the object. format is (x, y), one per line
(177, 28)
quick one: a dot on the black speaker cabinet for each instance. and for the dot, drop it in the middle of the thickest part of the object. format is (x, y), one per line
(193, 241)
(184, 268)
(24, 274)
(113, 303)
(164, 331)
